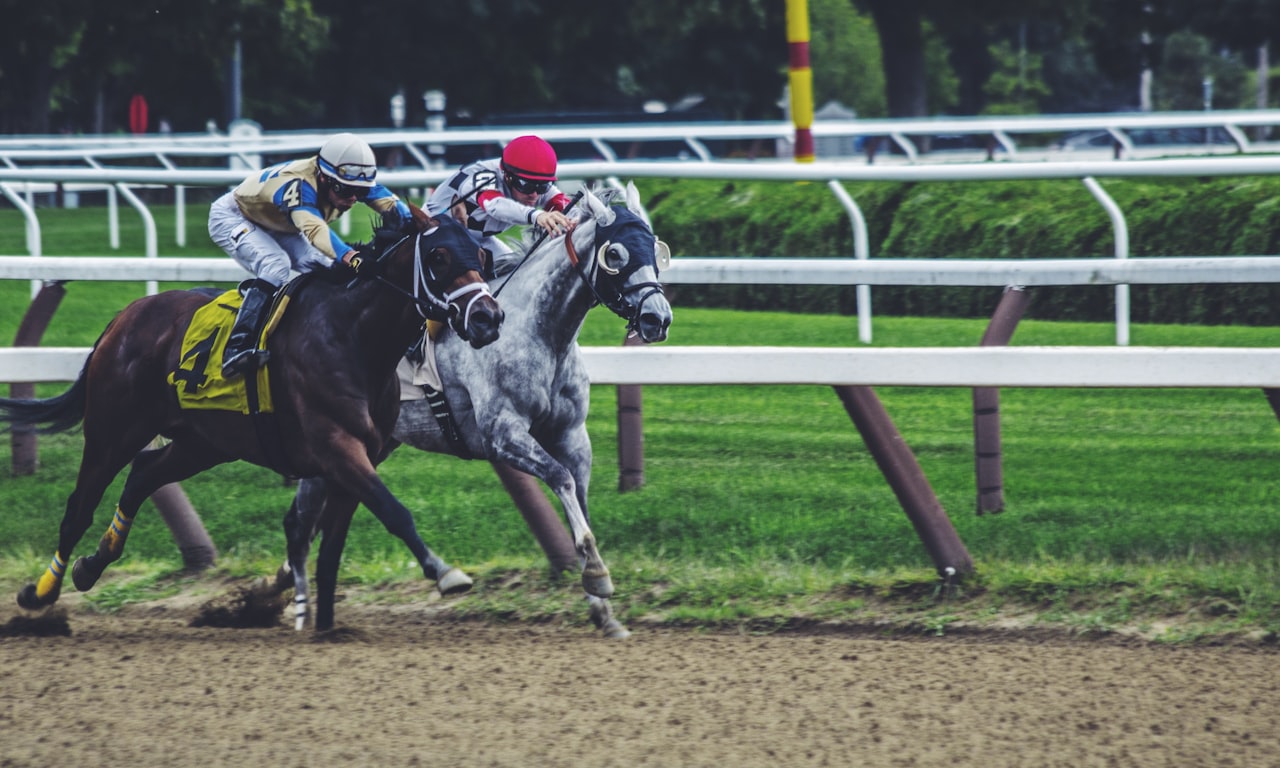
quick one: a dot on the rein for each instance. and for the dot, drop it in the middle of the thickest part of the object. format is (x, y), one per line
(542, 237)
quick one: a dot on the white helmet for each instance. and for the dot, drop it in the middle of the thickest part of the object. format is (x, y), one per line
(348, 159)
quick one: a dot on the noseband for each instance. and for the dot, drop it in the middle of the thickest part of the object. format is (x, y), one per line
(440, 308)
(429, 305)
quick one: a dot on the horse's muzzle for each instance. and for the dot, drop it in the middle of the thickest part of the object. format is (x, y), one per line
(654, 318)
(481, 323)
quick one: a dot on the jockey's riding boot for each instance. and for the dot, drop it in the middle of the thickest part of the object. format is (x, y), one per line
(242, 354)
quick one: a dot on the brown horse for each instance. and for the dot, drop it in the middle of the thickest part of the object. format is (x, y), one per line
(332, 384)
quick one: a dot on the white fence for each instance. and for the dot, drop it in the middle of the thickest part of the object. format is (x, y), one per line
(1017, 137)
(1157, 367)
(666, 364)
(849, 366)
(829, 172)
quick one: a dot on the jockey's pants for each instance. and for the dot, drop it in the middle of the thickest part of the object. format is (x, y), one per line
(267, 254)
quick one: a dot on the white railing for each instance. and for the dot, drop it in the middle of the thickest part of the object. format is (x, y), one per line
(1030, 137)
(748, 271)
(1157, 367)
(968, 367)
(832, 173)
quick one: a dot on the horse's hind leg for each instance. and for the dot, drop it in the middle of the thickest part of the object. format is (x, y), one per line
(151, 470)
(99, 464)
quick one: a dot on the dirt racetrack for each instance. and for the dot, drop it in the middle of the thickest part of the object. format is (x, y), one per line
(408, 686)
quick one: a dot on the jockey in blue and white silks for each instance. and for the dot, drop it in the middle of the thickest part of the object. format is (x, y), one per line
(278, 220)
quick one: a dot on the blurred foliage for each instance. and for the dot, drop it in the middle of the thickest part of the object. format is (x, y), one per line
(73, 65)
(986, 220)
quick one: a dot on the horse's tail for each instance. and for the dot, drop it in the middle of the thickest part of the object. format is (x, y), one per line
(53, 414)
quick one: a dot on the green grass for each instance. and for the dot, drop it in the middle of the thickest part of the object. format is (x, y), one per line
(1142, 510)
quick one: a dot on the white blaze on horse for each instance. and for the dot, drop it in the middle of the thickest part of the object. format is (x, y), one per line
(523, 399)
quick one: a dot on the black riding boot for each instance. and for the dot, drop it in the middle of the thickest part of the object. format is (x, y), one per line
(242, 354)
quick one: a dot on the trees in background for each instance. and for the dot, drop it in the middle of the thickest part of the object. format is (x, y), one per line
(79, 62)
(72, 65)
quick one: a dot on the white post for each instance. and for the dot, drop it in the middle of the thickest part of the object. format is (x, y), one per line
(1121, 230)
(861, 250)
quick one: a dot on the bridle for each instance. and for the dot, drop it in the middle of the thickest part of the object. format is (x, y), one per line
(597, 269)
(427, 283)
(590, 271)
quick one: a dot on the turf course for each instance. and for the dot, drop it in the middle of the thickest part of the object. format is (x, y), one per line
(1147, 511)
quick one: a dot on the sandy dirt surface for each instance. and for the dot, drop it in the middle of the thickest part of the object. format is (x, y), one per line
(409, 686)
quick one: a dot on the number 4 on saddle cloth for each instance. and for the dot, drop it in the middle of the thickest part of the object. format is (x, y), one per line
(198, 377)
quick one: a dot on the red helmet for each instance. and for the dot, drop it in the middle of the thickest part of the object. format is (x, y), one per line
(529, 157)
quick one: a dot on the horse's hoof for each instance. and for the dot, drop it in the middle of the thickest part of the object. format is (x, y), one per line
(614, 630)
(84, 575)
(27, 598)
(284, 579)
(597, 582)
(454, 582)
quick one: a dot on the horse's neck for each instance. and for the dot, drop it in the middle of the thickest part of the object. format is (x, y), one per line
(548, 286)
(381, 320)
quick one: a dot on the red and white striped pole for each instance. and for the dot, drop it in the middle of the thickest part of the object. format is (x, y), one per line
(801, 78)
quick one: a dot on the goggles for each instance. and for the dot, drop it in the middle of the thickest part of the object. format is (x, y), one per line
(345, 190)
(527, 186)
(353, 172)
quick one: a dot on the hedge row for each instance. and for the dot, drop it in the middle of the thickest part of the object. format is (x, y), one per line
(1024, 219)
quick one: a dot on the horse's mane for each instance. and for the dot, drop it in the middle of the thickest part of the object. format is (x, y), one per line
(385, 234)
(533, 235)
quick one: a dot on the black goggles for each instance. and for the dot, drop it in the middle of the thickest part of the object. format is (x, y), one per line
(345, 190)
(526, 186)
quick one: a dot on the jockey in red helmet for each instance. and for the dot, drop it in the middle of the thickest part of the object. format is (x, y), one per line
(529, 161)
(517, 189)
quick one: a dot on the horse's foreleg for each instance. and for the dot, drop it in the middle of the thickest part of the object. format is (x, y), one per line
(359, 478)
(151, 470)
(526, 455)
(338, 510)
(398, 520)
(602, 616)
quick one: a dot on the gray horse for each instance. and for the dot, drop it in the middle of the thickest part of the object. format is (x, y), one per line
(523, 400)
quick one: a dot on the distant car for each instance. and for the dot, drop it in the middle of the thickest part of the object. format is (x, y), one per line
(1148, 137)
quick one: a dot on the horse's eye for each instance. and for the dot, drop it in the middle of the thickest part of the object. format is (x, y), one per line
(612, 257)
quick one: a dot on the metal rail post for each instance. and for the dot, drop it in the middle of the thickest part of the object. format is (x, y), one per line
(630, 429)
(989, 473)
(540, 516)
(909, 484)
(26, 457)
(198, 551)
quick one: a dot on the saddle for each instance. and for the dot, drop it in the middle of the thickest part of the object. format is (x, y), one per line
(197, 378)
(420, 380)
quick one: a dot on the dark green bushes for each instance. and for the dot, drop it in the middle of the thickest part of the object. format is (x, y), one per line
(1026, 219)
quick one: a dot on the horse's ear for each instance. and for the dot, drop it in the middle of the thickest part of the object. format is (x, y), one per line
(633, 198)
(420, 217)
(603, 214)
(635, 206)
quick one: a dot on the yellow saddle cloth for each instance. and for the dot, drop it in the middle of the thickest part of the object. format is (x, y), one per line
(198, 377)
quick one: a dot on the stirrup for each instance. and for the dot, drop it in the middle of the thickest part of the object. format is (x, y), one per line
(242, 363)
